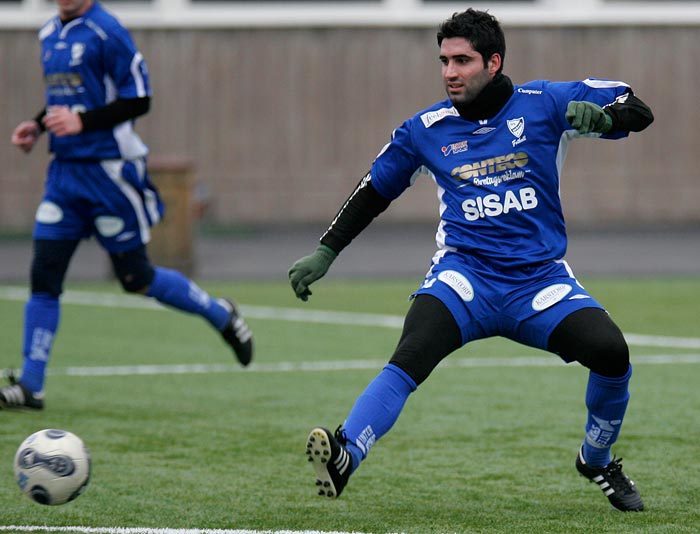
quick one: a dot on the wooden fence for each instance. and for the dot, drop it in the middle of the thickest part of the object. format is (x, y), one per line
(281, 123)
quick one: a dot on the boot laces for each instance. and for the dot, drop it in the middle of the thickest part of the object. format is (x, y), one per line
(616, 478)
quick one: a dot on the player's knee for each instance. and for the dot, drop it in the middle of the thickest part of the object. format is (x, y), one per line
(417, 368)
(45, 280)
(418, 355)
(430, 333)
(607, 354)
(137, 281)
(49, 266)
(133, 269)
(590, 337)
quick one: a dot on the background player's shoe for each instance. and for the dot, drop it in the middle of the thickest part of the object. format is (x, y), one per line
(237, 334)
(332, 463)
(617, 487)
(15, 395)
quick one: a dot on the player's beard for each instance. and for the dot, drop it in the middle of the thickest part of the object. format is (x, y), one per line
(470, 90)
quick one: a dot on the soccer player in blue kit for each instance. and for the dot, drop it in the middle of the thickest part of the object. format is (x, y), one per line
(97, 184)
(495, 151)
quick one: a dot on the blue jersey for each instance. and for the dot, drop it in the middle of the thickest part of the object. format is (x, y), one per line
(89, 62)
(497, 179)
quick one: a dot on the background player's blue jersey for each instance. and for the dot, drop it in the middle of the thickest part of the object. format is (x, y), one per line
(89, 62)
(498, 179)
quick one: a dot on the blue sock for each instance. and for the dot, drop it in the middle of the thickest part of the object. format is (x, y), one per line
(175, 289)
(376, 411)
(606, 399)
(41, 317)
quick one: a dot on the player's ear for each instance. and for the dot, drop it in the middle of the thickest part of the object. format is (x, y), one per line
(494, 64)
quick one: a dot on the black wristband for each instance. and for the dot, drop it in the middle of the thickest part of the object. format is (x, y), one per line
(39, 119)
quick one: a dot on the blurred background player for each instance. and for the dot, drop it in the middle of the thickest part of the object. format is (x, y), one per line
(97, 184)
(495, 151)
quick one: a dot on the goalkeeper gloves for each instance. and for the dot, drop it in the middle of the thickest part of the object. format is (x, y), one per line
(310, 268)
(587, 117)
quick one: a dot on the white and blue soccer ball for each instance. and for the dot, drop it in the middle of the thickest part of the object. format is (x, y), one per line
(52, 466)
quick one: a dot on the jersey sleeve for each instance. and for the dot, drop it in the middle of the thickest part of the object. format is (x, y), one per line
(126, 66)
(393, 169)
(601, 92)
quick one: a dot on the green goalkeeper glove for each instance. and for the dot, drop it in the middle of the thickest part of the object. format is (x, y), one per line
(587, 117)
(310, 268)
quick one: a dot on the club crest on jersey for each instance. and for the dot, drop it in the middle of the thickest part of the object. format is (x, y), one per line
(76, 54)
(517, 128)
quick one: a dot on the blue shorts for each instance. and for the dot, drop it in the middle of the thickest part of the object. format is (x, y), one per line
(113, 200)
(522, 304)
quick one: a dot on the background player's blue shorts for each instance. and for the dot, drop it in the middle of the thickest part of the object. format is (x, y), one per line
(111, 199)
(522, 304)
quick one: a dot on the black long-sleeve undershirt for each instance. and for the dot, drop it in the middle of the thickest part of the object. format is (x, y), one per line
(121, 110)
(629, 113)
(360, 209)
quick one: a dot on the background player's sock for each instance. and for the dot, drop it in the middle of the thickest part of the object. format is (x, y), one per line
(376, 411)
(606, 399)
(175, 289)
(41, 317)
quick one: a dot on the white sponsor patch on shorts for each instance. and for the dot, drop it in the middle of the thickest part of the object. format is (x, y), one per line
(109, 226)
(550, 296)
(459, 283)
(48, 213)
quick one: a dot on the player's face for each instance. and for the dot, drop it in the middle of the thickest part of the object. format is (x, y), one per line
(69, 9)
(463, 71)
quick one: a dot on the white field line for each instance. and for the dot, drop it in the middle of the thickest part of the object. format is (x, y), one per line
(111, 300)
(137, 530)
(344, 365)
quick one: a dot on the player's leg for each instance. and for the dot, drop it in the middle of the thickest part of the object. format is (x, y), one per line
(172, 288)
(552, 311)
(41, 320)
(58, 228)
(590, 337)
(126, 200)
(430, 333)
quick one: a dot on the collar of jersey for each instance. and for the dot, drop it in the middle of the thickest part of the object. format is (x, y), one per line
(490, 101)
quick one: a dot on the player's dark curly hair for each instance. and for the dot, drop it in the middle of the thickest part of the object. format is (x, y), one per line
(480, 28)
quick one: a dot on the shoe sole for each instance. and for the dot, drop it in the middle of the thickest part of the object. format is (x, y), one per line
(19, 407)
(318, 451)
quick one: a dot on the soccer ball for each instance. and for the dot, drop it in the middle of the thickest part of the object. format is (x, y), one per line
(52, 466)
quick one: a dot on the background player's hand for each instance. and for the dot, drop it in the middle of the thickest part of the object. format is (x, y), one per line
(61, 121)
(587, 117)
(310, 268)
(25, 135)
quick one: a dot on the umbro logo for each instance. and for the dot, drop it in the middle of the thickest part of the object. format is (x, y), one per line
(483, 130)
